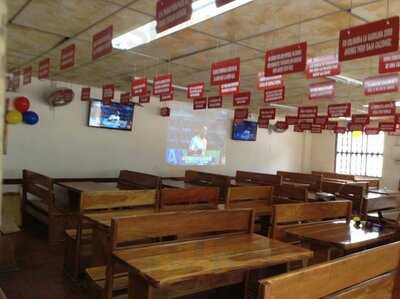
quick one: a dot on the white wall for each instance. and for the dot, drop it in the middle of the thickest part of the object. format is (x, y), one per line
(61, 144)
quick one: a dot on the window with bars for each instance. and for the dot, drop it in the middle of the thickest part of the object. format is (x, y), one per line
(359, 154)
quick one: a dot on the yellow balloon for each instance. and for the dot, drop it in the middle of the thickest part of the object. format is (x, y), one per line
(14, 117)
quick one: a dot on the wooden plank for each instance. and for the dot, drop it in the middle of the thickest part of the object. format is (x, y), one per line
(189, 198)
(137, 180)
(258, 178)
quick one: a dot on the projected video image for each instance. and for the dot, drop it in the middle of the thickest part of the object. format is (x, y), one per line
(196, 137)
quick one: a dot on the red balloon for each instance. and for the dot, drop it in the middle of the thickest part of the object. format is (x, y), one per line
(22, 104)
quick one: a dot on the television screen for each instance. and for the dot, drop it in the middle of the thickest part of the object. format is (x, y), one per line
(245, 130)
(115, 116)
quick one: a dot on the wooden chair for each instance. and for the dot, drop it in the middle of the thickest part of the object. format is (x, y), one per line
(208, 179)
(78, 241)
(313, 181)
(257, 178)
(371, 274)
(38, 202)
(202, 223)
(129, 180)
(287, 193)
(197, 198)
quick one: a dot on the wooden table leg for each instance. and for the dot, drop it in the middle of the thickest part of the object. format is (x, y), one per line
(139, 288)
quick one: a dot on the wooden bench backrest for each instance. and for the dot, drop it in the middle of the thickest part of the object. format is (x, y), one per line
(287, 215)
(39, 186)
(384, 203)
(137, 180)
(186, 223)
(291, 192)
(189, 198)
(258, 178)
(314, 181)
(100, 200)
(208, 179)
(371, 274)
(350, 191)
(333, 175)
(237, 195)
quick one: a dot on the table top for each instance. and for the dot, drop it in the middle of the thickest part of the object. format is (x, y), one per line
(88, 186)
(384, 191)
(340, 234)
(178, 184)
(166, 264)
(104, 218)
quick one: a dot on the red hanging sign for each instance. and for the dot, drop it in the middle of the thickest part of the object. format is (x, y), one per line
(316, 129)
(381, 84)
(340, 130)
(307, 112)
(281, 125)
(220, 3)
(144, 99)
(27, 75)
(267, 113)
(165, 112)
(162, 85)
(382, 108)
(355, 127)
(389, 63)
(269, 82)
(339, 110)
(361, 119)
(67, 57)
(263, 123)
(199, 103)
(369, 39)
(229, 88)
(297, 129)
(166, 97)
(44, 69)
(306, 120)
(286, 60)
(241, 113)
(387, 126)
(226, 71)
(305, 126)
(371, 131)
(170, 13)
(85, 94)
(108, 93)
(242, 98)
(291, 120)
(214, 102)
(323, 66)
(102, 43)
(397, 118)
(323, 90)
(139, 87)
(331, 125)
(195, 90)
(125, 98)
(321, 120)
(274, 95)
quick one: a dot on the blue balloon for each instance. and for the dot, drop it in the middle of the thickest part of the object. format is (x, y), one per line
(30, 117)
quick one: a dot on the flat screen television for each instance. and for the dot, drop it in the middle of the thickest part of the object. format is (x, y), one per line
(244, 131)
(115, 116)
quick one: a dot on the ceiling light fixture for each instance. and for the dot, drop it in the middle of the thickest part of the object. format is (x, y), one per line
(286, 107)
(397, 104)
(202, 11)
(346, 80)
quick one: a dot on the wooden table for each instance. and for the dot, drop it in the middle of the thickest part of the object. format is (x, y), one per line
(379, 201)
(87, 186)
(162, 267)
(385, 191)
(341, 235)
(177, 184)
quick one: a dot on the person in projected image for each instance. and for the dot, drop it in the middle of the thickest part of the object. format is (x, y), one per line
(198, 143)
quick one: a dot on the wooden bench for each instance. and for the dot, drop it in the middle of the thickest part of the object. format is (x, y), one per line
(129, 180)
(186, 225)
(78, 241)
(371, 274)
(257, 178)
(9, 232)
(311, 180)
(290, 193)
(208, 179)
(372, 183)
(353, 192)
(196, 198)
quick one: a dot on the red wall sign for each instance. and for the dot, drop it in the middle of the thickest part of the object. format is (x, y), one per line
(286, 60)
(307, 112)
(355, 127)
(382, 108)
(274, 95)
(291, 120)
(372, 131)
(166, 97)
(139, 87)
(281, 125)
(340, 130)
(195, 90)
(321, 120)
(102, 43)
(226, 71)
(387, 126)
(162, 85)
(242, 98)
(67, 57)
(323, 90)
(267, 113)
(331, 125)
(381, 84)
(108, 93)
(229, 88)
(263, 123)
(389, 63)
(165, 111)
(125, 98)
(44, 69)
(27, 75)
(370, 39)
(85, 94)
(220, 3)
(214, 102)
(199, 103)
(144, 99)
(339, 110)
(170, 13)
(323, 66)
(16, 79)
(316, 129)
(361, 119)
(269, 82)
(241, 113)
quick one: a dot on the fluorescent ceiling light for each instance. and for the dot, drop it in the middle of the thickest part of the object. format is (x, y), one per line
(346, 80)
(202, 11)
(397, 104)
(287, 107)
